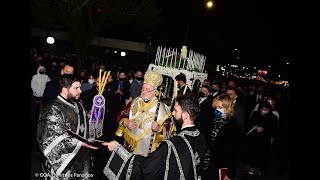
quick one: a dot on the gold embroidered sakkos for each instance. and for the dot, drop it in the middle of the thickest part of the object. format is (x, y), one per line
(143, 114)
(143, 110)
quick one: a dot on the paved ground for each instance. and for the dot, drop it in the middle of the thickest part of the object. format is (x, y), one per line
(273, 171)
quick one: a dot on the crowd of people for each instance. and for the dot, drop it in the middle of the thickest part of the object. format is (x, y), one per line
(227, 123)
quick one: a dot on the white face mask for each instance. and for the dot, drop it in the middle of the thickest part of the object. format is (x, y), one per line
(130, 81)
(90, 81)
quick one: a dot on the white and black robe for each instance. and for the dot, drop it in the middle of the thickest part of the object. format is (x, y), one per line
(180, 157)
(65, 158)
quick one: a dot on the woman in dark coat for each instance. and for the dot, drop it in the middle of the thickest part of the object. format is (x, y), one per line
(222, 146)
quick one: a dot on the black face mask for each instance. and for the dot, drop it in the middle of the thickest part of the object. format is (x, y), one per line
(41, 72)
(139, 78)
(201, 94)
(122, 79)
(214, 90)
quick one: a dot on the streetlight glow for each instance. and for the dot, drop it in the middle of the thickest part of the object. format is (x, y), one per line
(209, 4)
(50, 40)
(123, 54)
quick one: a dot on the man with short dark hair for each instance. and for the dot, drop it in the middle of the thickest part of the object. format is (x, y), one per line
(215, 90)
(182, 84)
(180, 157)
(52, 88)
(203, 120)
(136, 85)
(64, 155)
(239, 108)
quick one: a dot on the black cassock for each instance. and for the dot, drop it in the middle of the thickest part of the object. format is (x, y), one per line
(180, 157)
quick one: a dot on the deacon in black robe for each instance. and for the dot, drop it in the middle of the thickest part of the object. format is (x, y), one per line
(65, 157)
(180, 157)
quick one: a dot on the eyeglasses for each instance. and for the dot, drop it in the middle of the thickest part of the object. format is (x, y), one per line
(147, 91)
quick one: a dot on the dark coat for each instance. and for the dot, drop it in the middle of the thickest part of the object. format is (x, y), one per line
(51, 91)
(203, 120)
(223, 150)
(135, 88)
(257, 144)
(120, 100)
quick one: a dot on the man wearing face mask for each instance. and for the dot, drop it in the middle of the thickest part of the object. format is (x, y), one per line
(38, 85)
(53, 71)
(258, 140)
(136, 85)
(88, 83)
(215, 90)
(203, 120)
(122, 91)
(91, 80)
(52, 88)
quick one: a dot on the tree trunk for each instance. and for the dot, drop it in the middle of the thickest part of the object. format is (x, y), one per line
(80, 60)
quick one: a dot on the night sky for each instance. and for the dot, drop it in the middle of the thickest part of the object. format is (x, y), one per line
(257, 28)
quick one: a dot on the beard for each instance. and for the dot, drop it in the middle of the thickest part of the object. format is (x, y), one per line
(147, 97)
(70, 97)
(178, 123)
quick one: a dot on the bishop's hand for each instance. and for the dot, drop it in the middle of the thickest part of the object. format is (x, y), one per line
(130, 124)
(155, 126)
(112, 145)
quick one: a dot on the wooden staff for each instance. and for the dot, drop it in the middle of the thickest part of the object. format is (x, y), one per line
(104, 81)
(185, 89)
(175, 88)
(101, 83)
(171, 107)
(175, 93)
(99, 87)
(155, 119)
